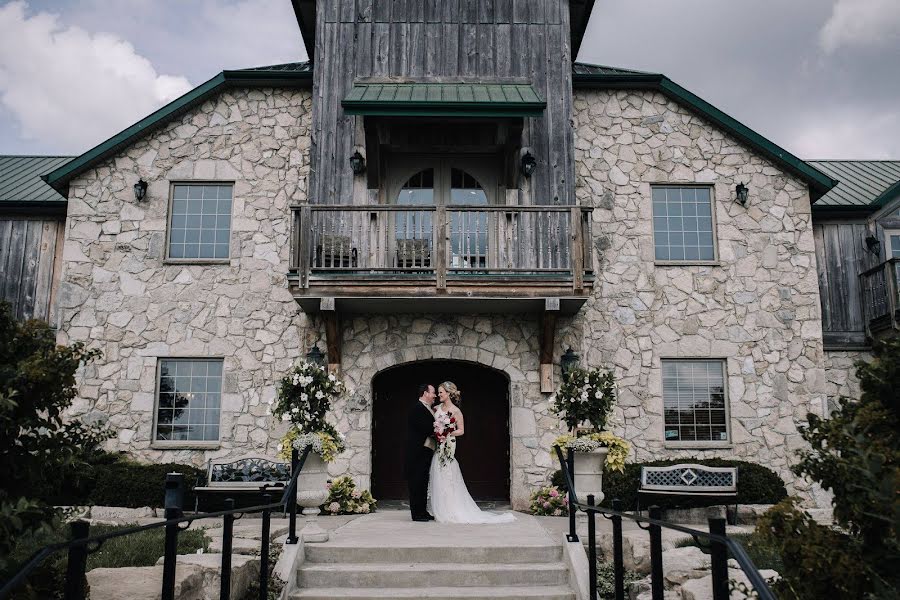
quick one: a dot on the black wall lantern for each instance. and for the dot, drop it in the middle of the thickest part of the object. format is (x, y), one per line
(357, 163)
(742, 192)
(140, 190)
(873, 244)
(528, 164)
(315, 356)
(568, 362)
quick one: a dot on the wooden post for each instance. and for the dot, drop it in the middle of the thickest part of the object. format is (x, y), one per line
(440, 250)
(548, 334)
(577, 250)
(304, 235)
(332, 334)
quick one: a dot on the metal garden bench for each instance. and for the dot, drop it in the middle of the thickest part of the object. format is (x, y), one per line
(253, 475)
(690, 480)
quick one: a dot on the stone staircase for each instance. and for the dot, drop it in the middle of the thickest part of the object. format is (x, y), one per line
(516, 560)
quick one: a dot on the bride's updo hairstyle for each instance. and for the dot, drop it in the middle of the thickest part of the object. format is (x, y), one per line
(453, 391)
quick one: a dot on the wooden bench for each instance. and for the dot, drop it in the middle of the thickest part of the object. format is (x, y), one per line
(690, 480)
(248, 476)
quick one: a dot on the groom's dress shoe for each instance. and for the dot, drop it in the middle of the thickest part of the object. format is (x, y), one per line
(422, 519)
(429, 517)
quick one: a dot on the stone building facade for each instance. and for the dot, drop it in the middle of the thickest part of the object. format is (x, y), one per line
(756, 306)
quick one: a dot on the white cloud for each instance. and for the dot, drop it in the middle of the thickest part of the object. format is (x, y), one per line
(861, 23)
(71, 88)
(846, 134)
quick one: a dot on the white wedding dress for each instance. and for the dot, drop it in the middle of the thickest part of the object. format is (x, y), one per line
(449, 499)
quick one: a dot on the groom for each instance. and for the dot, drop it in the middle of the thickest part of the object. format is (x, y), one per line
(420, 448)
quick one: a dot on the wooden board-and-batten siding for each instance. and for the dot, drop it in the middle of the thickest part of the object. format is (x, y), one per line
(30, 258)
(841, 255)
(450, 40)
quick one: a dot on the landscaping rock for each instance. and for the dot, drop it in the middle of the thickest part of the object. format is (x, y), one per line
(121, 514)
(244, 570)
(238, 545)
(145, 583)
(682, 564)
(701, 589)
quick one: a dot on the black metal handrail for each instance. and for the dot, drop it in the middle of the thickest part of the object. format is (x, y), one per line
(81, 545)
(719, 542)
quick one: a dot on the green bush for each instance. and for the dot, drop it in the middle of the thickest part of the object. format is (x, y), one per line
(756, 485)
(106, 479)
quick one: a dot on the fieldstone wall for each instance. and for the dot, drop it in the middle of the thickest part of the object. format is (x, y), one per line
(757, 306)
(840, 376)
(118, 293)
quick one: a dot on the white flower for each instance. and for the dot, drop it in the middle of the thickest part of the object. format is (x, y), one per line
(304, 397)
(295, 410)
(597, 395)
(320, 395)
(285, 417)
(331, 377)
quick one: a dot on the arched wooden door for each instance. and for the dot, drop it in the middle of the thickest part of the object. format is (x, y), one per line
(483, 452)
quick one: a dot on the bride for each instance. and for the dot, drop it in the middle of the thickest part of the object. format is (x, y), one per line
(448, 498)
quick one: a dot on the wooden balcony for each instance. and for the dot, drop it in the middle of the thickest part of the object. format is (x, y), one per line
(473, 259)
(880, 299)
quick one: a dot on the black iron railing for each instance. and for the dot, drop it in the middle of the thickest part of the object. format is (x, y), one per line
(720, 544)
(81, 544)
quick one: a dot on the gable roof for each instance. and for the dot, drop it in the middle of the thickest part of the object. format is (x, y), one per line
(283, 76)
(865, 185)
(21, 185)
(600, 77)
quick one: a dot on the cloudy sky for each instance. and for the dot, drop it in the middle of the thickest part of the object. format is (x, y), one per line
(818, 77)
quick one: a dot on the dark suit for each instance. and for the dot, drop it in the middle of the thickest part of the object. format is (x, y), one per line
(418, 456)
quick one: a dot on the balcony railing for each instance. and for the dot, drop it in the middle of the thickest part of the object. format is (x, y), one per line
(440, 243)
(880, 297)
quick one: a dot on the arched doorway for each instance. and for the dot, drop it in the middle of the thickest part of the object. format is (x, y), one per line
(483, 452)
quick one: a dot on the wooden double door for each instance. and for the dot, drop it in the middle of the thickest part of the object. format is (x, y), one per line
(483, 452)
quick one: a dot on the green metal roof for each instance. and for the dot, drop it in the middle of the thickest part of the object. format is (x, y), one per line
(21, 184)
(597, 77)
(444, 100)
(865, 185)
(279, 76)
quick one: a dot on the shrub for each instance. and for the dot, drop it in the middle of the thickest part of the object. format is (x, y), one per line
(585, 395)
(756, 484)
(549, 501)
(856, 455)
(345, 499)
(606, 579)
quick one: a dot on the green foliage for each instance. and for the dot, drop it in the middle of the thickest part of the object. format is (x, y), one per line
(617, 448)
(345, 499)
(606, 579)
(856, 455)
(549, 501)
(276, 584)
(138, 550)
(37, 385)
(756, 484)
(585, 395)
(305, 395)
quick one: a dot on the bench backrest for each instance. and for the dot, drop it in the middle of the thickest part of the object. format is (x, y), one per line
(249, 471)
(689, 478)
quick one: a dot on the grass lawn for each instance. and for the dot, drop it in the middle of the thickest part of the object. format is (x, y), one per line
(763, 556)
(137, 550)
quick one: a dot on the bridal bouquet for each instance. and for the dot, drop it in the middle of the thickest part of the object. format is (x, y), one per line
(444, 424)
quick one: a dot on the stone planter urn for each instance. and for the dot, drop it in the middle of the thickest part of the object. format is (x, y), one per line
(311, 493)
(589, 474)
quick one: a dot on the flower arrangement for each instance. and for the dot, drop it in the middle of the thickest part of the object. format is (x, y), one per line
(304, 398)
(345, 499)
(444, 425)
(549, 501)
(327, 443)
(585, 395)
(617, 448)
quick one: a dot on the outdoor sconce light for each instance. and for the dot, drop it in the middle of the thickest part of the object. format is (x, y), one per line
(528, 164)
(357, 163)
(140, 190)
(742, 192)
(568, 362)
(873, 244)
(315, 356)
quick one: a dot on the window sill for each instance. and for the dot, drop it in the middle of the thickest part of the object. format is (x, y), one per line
(167, 445)
(197, 261)
(698, 445)
(687, 263)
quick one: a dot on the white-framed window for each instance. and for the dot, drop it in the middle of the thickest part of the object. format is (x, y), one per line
(188, 400)
(893, 243)
(683, 227)
(694, 400)
(200, 222)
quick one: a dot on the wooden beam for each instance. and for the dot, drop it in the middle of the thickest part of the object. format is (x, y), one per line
(332, 334)
(548, 335)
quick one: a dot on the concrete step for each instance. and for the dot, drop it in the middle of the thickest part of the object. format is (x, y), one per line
(548, 592)
(408, 575)
(335, 553)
